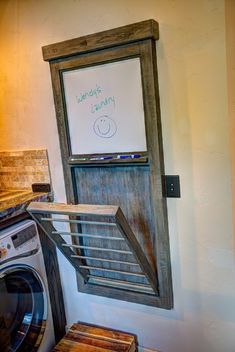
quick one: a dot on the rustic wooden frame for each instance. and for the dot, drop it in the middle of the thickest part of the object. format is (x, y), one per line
(118, 53)
(95, 60)
(136, 40)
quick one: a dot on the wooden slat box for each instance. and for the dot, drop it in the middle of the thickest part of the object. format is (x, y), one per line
(90, 338)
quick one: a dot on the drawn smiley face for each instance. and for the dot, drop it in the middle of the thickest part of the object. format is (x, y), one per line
(105, 127)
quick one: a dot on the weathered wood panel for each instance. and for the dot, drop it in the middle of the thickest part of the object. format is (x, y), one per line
(114, 37)
(127, 187)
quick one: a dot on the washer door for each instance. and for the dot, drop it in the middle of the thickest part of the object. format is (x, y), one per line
(23, 309)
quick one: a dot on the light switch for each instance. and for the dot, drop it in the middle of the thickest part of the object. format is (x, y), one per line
(172, 186)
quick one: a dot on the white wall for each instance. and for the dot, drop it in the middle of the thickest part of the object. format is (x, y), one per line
(230, 50)
(195, 119)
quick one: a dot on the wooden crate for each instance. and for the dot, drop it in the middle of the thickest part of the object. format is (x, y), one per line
(91, 338)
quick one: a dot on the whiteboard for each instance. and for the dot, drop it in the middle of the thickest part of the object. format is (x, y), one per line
(105, 108)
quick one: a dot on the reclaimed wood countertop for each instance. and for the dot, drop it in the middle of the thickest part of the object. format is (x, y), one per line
(14, 202)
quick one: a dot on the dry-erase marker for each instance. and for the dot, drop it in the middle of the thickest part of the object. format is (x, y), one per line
(123, 156)
(132, 156)
(102, 158)
(79, 159)
(107, 158)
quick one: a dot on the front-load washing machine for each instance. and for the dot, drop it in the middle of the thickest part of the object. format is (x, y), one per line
(26, 323)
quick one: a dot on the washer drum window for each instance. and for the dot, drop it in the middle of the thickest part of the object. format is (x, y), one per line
(23, 309)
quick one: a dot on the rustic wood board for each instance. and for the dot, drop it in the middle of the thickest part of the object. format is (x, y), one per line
(83, 337)
(101, 40)
(79, 209)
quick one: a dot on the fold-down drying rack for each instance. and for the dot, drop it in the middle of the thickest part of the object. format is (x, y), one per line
(114, 258)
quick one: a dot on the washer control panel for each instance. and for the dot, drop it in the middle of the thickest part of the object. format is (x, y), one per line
(18, 239)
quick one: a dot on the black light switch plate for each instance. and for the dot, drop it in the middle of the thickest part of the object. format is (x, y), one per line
(172, 186)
